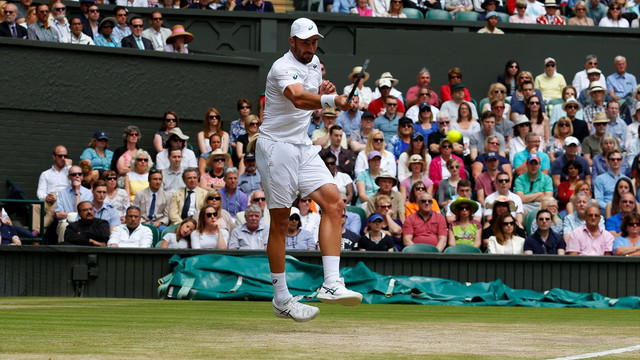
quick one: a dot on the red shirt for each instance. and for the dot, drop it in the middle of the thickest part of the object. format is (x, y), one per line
(377, 105)
(425, 232)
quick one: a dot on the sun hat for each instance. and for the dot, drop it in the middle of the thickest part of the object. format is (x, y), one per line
(387, 75)
(503, 199)
(462, 201)
(572, 101)
(178, 30)
(176, 131)
(521, 119)
(356, 70)
(386, 175)
(600, 118)
(417, 159)
(374, 153)
(595, 86)
(215, 154)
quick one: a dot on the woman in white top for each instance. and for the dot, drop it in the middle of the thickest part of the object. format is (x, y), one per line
(209, 235)
(504, 240)
(614, 17)
(212, 124)
(365, 95)
(181, 238)
(466, 124)
(375, 142)
(497, 91)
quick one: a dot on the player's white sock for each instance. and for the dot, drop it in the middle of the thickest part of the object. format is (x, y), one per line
(280, 288)
(331, 266)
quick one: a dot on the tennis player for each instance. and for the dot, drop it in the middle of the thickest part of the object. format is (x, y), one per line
(289, 166)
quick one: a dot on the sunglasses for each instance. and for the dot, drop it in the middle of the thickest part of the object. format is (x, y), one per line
(421, 188)
(615, 159)
(134, 134)
(111, 178)
(534, 103)
(137, 26)
(406, 126)
(446, 146)
(330, 164)
(503, 181)
(216, 198)
(444, 122)
(494, 142)
(464, 208)
(293, 219)
(424, 94)
(377, 221)
(9, 12)
(210, 214)
(107, 26)
(634, 224)
(94, 10)
(455, 167)
(508, 223)
(60, 9)
(550, 65)
(571, 106)
(498, 91)
(305, 200)
(424, 201)
(426, 109)
(170, 120)
(614, 8)
(218, 160)
(244, 107)
(75, 174)
(378, 140)
(211, 117)
(544, 219)
(385, 206)
(259, 199)
(62, 156)
(563, 125)
(392, 104)
(253, 124)
(455, 77)
(156, 19)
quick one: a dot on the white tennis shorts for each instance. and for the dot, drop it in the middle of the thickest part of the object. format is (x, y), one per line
(287, 170)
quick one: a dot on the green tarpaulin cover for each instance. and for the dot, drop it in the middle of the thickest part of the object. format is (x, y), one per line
(221, 277)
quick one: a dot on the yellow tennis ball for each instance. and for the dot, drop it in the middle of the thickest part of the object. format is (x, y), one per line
(454, 136)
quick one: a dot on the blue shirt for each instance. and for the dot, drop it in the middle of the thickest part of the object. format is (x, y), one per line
(614, 222)
(622, 85)
(572, 222)
(347, 123)
(618, 242)
(343, 6)
(389, 127)
(67, 199)
(98, 162)
(560, 162)
(7, 233)
(313, 127)
(100, 40)
(108, 213)
(249, 183)
(522, 156)
(551, 246)
(603, 188)
(600, 166)
(518, 105)
(396, 146)
(235, 203)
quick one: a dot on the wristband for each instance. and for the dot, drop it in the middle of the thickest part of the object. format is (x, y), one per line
(328, 101)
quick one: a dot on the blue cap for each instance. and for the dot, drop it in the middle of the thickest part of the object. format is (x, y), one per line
(100, 135)
(375, 217)
(491, 14)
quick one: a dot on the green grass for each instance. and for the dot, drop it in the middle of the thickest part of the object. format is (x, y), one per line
(64, 328)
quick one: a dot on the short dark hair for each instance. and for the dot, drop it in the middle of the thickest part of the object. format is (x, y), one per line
(118, 8)
(487, 114)
(153, 172)
(576, 164)
(543, 211)
(98, 183)
(464, 183)
(328, 156)
(334, 127)
(133, 17)
(242, 101)
(190, 169)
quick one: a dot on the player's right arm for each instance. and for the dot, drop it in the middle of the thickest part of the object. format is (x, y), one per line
(309, 101)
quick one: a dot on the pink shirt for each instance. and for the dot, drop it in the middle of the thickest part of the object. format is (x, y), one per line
(425, 232)
(583, 243)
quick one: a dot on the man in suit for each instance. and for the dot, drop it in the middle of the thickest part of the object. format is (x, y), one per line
(154, 202)
(156, 33)
(135, 40)
(9, 28)
(185, 202)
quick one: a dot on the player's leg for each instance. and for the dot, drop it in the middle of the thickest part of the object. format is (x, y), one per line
(332, 290)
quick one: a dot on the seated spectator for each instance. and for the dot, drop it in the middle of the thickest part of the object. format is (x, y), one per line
(437, 172)
(170, 120)
(625, 205)
(395, 10)
(8, 235)
(364, 93)
(374, 238)
(504, 239)
(349, 120)
(104, 210)
(627, 243)
(454, 75)
(225, 221)
(559, 111)
(594, 98)
(616, 126)
(154, 202)
(447, 188)
(209, 234)
(379, 105)
(604, 184)
(366, 180)
(257, 197)
(464, 230)
(571, 170)
(252, 124)
(412, 206)
(503, 180)
(186, 201)
(508, 77)
(456, 6)
(105, 35)
(533, 185)
(88, 230)
(176, 138)
(417, 146)
(249, 181)
(591, 238)
(76, 36)
(375, 142)
(386, 182)
(525, 90)
(621, 83)
(390, 225)
(343, 181)
(97, 152)
(570, 152)
(243, 105)
(418, 173)
(521, 17)
(521, 127)
(345, 158)
(309, 220)
(322, 136)
(350, 239)
(550, 204)
(69, 197)
(486, 183)
(138, 178)
(501, 205)
(117, 197)
(550, 18)
(298, 238)
(359, 138)
(90, 18)
(491, 17)
(9, 27)
(135, 40)
(212, 124)
(533, 142)
(122, 29)
(477, 139)
(158, 34)
(463, 190)
(434, 139)
(233, 199)
(480, 165)
(581, 19)
(608, 144)
(257, 6)
(181, 238)
(253, 234)
(364, 10)
(41, 30)
(497, 92)
(425, 226)
(399, 142)
(555, 146)
(415, 95)
(614, 17)
(216, 163)
(544, 240)
(424, 115)
(131, 234)
(122, 156)
(485, 7)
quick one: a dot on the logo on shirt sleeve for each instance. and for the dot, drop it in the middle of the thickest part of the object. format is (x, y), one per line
(295, 76)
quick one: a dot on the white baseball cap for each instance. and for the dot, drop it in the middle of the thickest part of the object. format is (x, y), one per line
(304, 28)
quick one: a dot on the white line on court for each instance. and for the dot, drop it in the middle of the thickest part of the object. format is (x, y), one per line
(602, 353)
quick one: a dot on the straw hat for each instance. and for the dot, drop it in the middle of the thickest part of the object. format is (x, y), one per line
(462, 201)
(503, 199)
(356, 70)
(387, 75)
(215, 154)
(521, 119)
(386, 175)
(573, 101)
(178, 30)
(417, 159)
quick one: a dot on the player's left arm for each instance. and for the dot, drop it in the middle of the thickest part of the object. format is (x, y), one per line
(309, 101)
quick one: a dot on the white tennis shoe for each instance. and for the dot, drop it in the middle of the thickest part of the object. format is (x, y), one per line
(293, 309)
(337, 293)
